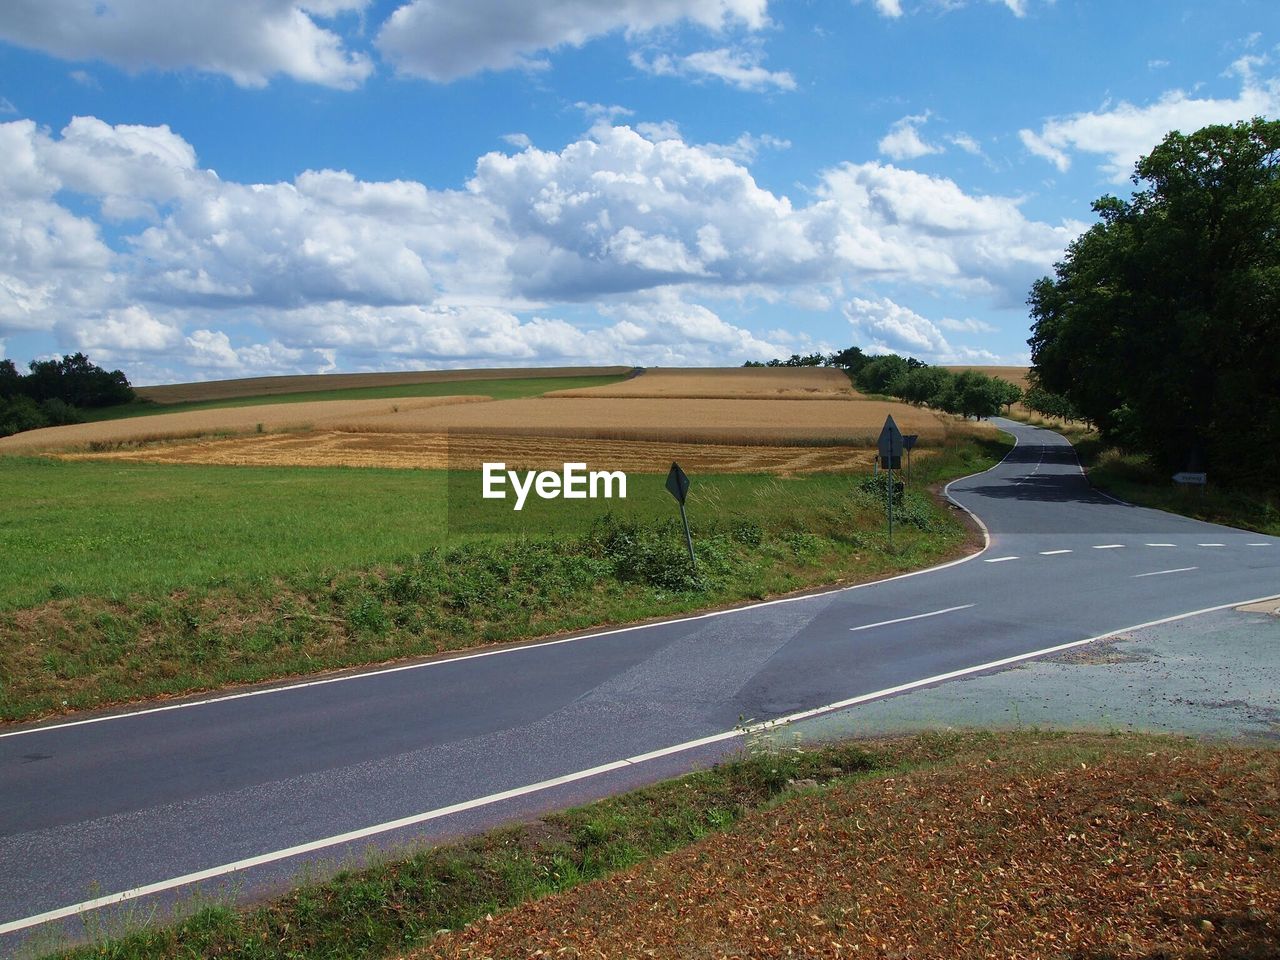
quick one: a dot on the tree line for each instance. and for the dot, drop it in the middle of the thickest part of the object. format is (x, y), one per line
(54, 392)
(1161, 325)
(967, 393)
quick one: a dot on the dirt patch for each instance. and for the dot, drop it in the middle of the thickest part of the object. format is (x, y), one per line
(1271, 606)
(1100, 653)
(1085, 852)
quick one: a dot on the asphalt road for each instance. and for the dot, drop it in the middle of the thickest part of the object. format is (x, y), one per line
(241, 793)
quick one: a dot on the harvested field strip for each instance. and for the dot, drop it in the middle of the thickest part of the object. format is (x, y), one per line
(469, 452)
(1085, 847)
(196, 423)
(267, 386)
(728, 383)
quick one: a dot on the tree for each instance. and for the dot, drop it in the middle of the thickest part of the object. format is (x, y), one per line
(1162, 324)
(925, 384)
(881, 372)
(75, 380)
(851, 359)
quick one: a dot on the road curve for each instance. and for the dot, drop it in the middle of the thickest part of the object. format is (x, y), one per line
(240, 793)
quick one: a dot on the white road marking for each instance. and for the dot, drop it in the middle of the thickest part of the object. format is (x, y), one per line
(1108, 546)
(918, 616)
(62, 913)
(1157, 573)
(1000, 559)
(1161, 544)
(1052, 553)
(1210, 544)
(1259, 544)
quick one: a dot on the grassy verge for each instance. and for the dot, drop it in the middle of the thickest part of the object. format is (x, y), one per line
(499, 389)
(1021, 844)
(284, 572)
(1133, 477)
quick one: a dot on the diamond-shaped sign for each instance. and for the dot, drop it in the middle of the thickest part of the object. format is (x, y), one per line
(678, 483)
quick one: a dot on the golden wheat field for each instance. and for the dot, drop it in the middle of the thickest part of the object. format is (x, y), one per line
(195, 423)
(694, 421)
(1015, 375)
(331, 448)
(727, 383)
(269, 386)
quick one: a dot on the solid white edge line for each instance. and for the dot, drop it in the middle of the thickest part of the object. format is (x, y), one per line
(1157, 573)
(538, 645)
(918, 616)
(62, 913)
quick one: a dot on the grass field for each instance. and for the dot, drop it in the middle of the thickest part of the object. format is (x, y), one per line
(126, 581)
(1023, 844)
(217, 396)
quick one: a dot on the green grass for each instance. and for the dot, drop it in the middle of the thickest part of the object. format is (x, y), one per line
(124, 582)
(499, 389)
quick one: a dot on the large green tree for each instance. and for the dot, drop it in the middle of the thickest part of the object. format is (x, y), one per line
(1162, 324)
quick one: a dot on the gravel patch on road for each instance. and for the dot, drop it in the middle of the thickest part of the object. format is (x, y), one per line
(1214, 675)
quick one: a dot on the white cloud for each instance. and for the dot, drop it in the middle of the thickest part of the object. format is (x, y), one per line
(893, 8)
(738, 68)
(85, 79)
(249, 41)
(1122, 132)
(888, 327)
(966, 326)
(966, 143)
(903, 141)
(6, 107)
(889, 8)
(746, 147)
(443, 40)
(600, 111)
(633, 236)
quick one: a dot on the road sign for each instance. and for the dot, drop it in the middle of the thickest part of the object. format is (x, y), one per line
(1200, 479)
(678, 487)
(890, 445)
(678, 483)
(909, 441)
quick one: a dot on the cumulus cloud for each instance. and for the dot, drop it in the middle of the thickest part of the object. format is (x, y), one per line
(635, 236)
(249, 41)
(893, 8)
(442, 40)
(1122, 132)
(966, 326)
(903, 141)
(889, 327)
(738, 68)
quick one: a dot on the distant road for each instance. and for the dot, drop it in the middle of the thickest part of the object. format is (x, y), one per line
(241, 792)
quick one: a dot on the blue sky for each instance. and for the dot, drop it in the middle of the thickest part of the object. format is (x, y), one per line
(252, 187)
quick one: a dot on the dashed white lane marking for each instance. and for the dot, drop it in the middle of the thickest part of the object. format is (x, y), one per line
(1210, 544)
(1159, 573)
(1052, 553)
(1259, 544)
(1000, 559)
(1161, 544)
(1108, 546)
(918, 616)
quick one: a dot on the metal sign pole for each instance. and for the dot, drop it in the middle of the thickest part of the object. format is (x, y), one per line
(688, 539)
(678, 487)
(889, 487)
